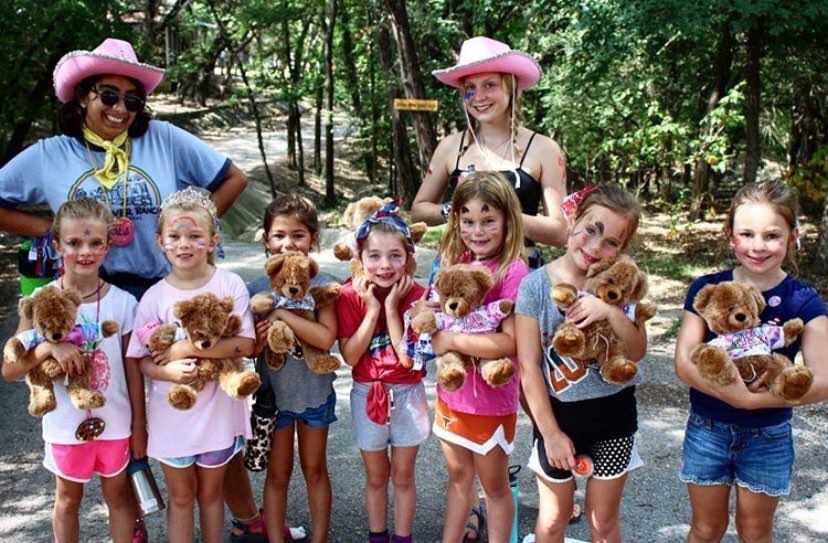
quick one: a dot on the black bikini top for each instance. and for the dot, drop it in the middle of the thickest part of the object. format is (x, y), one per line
(527, 188)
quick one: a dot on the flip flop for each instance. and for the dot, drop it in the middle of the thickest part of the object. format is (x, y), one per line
(475, 529)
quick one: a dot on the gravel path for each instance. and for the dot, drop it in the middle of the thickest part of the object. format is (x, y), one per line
(654, 509)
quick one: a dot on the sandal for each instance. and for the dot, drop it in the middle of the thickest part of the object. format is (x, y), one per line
(474, 529)
(255, 531)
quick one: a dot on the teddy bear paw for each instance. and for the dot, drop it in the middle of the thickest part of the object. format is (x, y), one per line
(714, 364)
(41, 402)
(86, 399)
(274, 361)
(569, 342)
(280, 338)
(248, 382)
(182, 397)
(323, 364)
(451, 376)
(497, 372)
(619, 372)
(793, 383)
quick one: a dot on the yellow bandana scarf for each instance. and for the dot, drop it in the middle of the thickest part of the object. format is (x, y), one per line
(115, 153)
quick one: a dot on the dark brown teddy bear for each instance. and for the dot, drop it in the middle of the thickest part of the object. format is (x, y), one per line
(462, 289)
(290, 277)
(744, 345)
(204, 321)
(618, 282)
(53, 312)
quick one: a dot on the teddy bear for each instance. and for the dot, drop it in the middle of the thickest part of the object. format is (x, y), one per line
(204, 320)
(290, 277)
(358, 212)
(617, 282)
(53, 312)
(744, 344)
(461, 289)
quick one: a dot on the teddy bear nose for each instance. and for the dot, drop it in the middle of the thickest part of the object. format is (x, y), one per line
(205, 344)
(452, 306)
(57, 336)
(293, 290)
(740, 317)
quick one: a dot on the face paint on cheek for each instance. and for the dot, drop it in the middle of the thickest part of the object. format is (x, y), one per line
(468, 95)
(200, 244)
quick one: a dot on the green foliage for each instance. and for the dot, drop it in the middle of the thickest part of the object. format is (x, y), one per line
(811, 182)
(718, 145)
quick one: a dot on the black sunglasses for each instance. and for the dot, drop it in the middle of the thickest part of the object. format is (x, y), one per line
(110, 97)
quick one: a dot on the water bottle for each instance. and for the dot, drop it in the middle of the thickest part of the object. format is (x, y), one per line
(513, 484)
(144, 485)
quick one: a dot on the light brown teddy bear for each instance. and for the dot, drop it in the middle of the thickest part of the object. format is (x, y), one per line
(618, 282)
(744, 345)
(462, 289)
(53, 312)
(357, 213)
(205, 319)
(290, 277)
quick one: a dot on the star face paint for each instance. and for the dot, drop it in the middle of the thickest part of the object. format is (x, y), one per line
(384, 258)
(83, 244)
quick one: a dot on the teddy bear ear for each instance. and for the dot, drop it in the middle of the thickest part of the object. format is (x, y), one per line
(25, 306)
(484, 278)
(182, 308)
(757, 298)
(227, 304)
(73, 295)
(703, 298)
(313, 268)
(274, 264)
(641, 286)
(600, 267)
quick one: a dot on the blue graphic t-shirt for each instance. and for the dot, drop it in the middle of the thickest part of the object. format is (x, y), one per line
(165, 159)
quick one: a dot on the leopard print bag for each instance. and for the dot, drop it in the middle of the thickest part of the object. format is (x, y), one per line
(262, 423)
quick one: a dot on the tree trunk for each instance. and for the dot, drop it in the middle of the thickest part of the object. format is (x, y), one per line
(330, 195)
(413, 86)
(401, 148)
(819, 263)
(317, 129)
(753, 91)
(723, 65)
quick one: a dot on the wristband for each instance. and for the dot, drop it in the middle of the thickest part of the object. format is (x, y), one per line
(445, 210)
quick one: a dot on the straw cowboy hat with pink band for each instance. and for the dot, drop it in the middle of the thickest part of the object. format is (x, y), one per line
(111, 57)
(482, 55)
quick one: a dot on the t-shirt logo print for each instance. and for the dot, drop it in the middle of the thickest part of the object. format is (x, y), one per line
(562, 371)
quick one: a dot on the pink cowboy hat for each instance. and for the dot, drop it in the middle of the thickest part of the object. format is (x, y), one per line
(481, 55)
(111, 57)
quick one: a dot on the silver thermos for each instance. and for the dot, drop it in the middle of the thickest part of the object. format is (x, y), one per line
(146, 490)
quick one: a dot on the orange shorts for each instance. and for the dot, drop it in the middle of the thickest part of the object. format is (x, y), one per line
(478, 433)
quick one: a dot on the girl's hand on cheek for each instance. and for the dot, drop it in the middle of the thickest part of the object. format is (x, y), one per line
(398, 292)
(365, 289)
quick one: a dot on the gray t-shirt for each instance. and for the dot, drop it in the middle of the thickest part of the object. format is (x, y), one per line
(566, 379)
(295, 386)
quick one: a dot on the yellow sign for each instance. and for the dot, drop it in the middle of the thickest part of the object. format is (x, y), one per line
(415, 104)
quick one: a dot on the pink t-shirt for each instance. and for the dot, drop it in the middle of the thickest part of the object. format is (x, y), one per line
(475, 396)
(213, 423)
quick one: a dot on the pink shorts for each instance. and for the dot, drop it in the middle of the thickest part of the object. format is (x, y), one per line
(106, 457)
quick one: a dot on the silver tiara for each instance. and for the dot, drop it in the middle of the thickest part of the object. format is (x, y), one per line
(190, 196)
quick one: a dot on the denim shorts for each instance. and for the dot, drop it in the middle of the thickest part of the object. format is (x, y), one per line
(312, 417)
(759, 459)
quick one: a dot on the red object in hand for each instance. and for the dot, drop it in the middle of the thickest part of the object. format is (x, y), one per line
(583, 466)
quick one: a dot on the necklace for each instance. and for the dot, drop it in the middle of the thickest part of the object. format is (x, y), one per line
(94, 292)
(91, 427)
(122, 229)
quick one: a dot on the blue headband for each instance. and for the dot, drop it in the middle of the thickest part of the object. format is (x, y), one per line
(387, 214)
